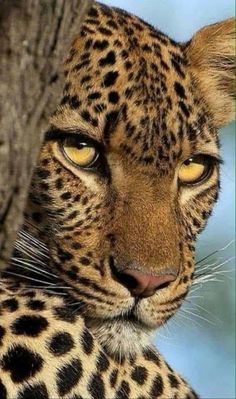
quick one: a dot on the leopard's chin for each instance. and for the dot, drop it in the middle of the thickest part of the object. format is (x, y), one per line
(122, 336)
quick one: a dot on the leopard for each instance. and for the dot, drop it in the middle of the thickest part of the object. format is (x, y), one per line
(126, 179)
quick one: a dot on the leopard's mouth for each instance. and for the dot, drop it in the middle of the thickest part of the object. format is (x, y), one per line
(128, 318)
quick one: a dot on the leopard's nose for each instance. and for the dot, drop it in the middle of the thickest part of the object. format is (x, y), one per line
(142, 284)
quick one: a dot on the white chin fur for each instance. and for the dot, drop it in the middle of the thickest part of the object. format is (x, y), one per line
(122, 339)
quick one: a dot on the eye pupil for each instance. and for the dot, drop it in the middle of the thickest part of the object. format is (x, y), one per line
(188, 162)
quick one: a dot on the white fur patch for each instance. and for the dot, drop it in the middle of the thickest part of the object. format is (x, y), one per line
(121, 338)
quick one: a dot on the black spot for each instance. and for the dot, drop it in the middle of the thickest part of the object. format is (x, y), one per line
(100, 44)
(84, 261)
(34, 391)
(113, 378)
(151, 356)
(147, 48)
(36, 304)
(72, 273)
(21, 363)
(64, 255)
(66, 195)
(67, 86)
(113, 97)
(86, 115)
(71, 216)
(10, 304)
(157, 387)
(196, 223)
(93, 12)
(43, 173)
(110, 78)
(30, 326)
(74, 102)
(87, 342)
(105, 31)
(139, 374)
(88, 44)
(37, 217)
(102, 363)
(165, 65)
(112, 24)
(2, 333)
(86, 78)
(77, 198)
(94, 96)
(176, 64)
(109, 59)
(123, 391)
(117, 43)
(60, 343)
(111, 120)
(68, 376)
(85, 201)
(59, 183)
(184, 108)
(96, 387)
(174, 383)
(81, 65)
(179, 89)
(76, 245)
(185, 279)
(3, 391)
(92, 21)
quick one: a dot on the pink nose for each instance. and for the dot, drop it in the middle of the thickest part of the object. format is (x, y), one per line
(141, 284)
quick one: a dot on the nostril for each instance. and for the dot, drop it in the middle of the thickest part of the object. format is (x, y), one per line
(125, 279)
(141, 284)
(128, 281)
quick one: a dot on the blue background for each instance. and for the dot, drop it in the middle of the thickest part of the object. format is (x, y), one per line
(201, 346)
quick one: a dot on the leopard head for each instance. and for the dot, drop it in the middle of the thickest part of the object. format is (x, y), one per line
(129, 170)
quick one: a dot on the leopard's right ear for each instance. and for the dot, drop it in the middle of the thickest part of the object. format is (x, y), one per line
(211, 55)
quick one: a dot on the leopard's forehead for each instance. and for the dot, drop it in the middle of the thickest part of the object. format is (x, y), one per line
(129, 84)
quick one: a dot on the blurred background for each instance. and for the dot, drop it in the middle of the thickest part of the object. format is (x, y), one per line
(200, 341)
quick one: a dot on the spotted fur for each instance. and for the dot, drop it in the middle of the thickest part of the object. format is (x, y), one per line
(69, 327)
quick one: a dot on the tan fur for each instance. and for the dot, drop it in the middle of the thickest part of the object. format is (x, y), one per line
(212, 63)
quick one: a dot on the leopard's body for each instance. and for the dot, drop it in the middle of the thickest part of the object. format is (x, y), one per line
(71, 325)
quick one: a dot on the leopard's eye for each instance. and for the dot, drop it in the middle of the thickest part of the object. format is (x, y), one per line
(195, 170)
(80, 153)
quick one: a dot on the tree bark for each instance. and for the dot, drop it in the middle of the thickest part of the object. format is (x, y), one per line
(35, 36)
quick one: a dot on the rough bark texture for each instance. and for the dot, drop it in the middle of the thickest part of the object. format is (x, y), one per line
(35, 36)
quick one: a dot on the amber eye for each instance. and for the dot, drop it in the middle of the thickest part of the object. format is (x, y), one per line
(82, 154)
(195, 169)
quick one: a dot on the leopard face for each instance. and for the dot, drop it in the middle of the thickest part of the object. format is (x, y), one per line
(129, 172)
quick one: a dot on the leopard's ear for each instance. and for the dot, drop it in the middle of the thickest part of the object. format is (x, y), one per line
(211, 54)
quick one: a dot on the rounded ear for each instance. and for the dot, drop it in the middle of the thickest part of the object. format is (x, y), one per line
(211, 54)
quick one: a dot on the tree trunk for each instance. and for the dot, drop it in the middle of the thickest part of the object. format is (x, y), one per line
(35, 36)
